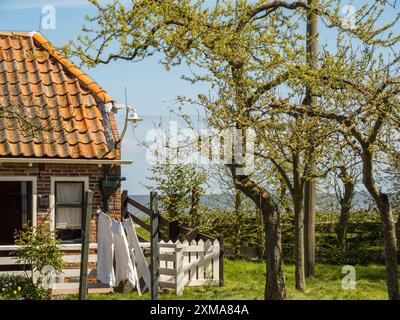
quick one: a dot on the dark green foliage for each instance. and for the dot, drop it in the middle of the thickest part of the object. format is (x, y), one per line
(363, 246)
(21, 288)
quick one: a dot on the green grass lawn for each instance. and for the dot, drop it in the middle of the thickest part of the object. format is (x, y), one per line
(246, 280)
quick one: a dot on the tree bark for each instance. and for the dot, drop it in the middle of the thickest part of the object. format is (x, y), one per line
(297, 195)
(309, 193)
(388, 224)
(194, 208)
(238, 201)
(345, 206)
(341, 228)
(275, 281)
(299, 244)
(260, 220)
(398, 226)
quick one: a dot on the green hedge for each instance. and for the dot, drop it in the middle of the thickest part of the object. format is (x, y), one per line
(364, 244)
(364, 236)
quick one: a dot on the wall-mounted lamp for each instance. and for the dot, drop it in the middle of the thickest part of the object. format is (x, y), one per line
(133, 116)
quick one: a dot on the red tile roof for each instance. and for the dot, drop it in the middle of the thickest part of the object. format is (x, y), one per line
(48, 107)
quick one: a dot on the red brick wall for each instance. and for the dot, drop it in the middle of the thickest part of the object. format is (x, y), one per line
(44, 172)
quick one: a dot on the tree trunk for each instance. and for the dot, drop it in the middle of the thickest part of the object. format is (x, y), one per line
(275, 281)
(297, 196)
(345, 206)
(390, 240)
(388, 224)
(309, 194)
(260, 220)
(398, 226)
(341, 228)
(309, 230)
(194, 209)
(238, 201)
(299, 245)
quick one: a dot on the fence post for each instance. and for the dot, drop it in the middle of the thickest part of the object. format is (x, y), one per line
(83, 286)
(124, 204)
(154, 245)
(179, 273)
(216, 262)
(200, 257)
(221, 260)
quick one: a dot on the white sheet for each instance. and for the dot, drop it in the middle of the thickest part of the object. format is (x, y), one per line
(136, 252)
(105, 251)
(123, 264)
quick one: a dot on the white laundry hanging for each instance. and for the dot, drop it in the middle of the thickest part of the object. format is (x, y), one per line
(124, 269)
(136, 252)
(105, 250)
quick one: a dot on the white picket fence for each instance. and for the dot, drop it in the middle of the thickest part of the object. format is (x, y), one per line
(180, 265)
(189, 264)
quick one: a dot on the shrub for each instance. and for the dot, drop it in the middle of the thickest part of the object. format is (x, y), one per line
(40, 250)
(14, 287)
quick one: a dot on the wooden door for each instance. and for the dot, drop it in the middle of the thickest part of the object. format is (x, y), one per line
(10, 210)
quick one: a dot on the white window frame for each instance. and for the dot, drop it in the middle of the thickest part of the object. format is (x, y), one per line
(53, 180)
(33, 180)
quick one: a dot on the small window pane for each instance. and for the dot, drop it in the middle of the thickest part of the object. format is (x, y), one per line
(68, 218)
(69, 200)
(69, 193)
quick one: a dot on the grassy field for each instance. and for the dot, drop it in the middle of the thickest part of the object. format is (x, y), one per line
(245, 280)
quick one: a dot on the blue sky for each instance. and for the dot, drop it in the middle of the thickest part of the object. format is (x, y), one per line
(150, 88)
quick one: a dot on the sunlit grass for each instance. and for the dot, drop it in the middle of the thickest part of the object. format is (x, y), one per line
(246, 280)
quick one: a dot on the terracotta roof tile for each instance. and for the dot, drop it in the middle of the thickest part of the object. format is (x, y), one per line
(48, 107)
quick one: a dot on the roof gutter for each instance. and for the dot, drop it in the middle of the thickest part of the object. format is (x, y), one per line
(99, 162)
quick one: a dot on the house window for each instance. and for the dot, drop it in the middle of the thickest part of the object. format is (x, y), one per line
(69, 210)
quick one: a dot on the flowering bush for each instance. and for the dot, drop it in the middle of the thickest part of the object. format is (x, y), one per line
(14, 287)
(39, 249)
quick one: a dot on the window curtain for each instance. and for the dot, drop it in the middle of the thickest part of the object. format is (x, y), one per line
(69, 193)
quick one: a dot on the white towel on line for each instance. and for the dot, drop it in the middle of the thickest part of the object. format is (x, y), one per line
(136, 252)
(105, 250)
(123, 264)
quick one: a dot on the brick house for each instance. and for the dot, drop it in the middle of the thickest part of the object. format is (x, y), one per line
(58, 138)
